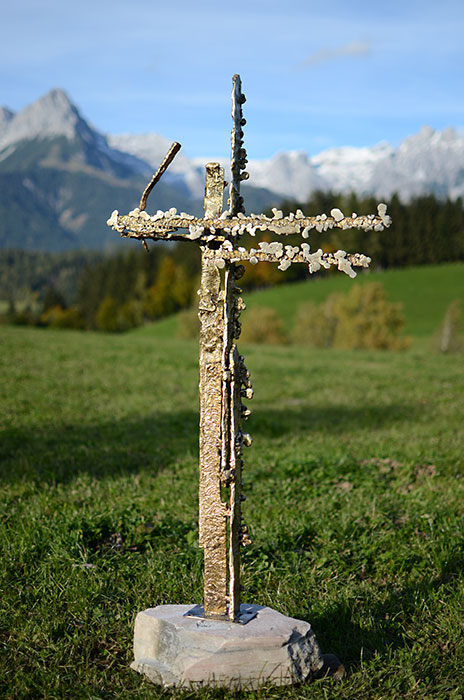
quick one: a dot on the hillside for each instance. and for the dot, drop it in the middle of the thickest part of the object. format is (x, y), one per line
(64, 208)
(425, 293)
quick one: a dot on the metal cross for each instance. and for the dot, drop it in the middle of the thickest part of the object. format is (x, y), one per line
(224, 379)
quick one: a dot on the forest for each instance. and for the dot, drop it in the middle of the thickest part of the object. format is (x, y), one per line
(88, 290)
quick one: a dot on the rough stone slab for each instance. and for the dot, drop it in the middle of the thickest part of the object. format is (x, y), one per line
(173, 650)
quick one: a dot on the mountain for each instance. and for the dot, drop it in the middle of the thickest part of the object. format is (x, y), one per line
(348, 168)
(427, 162)
(61, 138)
(60, 177)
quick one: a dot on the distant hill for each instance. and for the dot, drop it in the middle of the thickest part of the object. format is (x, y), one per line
(424, 291)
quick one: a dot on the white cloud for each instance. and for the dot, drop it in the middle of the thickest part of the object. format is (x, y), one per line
(355, 48)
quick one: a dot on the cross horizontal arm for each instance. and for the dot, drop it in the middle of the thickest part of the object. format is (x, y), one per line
(164, 225)
(293, 254)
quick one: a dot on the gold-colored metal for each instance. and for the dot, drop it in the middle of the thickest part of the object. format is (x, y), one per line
(213, 511)
(214, 191)
(224, 379)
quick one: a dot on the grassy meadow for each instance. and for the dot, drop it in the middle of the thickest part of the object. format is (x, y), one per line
(355, 503)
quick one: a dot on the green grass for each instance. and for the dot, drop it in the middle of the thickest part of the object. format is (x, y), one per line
(425, 292)
(355, 487)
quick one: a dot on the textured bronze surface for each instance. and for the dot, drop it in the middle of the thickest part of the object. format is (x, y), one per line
(232, 434)
(165, 226)
(214, 191)
(224, 379)
(213, 511)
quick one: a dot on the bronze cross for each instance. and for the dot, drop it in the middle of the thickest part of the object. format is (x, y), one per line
(224, 379)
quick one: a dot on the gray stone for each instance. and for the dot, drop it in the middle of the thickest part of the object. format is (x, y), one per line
(174, 650)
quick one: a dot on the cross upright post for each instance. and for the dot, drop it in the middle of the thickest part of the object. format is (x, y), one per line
(224, 379)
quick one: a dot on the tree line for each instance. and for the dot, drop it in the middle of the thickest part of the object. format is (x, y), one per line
(127, 289)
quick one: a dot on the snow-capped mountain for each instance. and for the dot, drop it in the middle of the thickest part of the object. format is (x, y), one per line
(347, 168)
(290, 174)
(53, 117)
(50, 116)
(185, 173)
(427, 162)
(59, 176)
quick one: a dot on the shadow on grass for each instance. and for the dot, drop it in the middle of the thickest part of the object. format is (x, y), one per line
(155, 442)
(389, 621)
(335, 419)
(104, 449)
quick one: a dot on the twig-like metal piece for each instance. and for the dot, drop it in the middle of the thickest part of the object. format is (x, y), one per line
(238, 158)
(168, 158)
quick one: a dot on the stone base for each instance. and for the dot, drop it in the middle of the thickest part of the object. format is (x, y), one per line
(174, 650)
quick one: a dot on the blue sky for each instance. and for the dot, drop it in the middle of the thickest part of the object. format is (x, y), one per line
(316, 74)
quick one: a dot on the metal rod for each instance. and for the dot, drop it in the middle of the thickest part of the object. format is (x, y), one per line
(169, 157)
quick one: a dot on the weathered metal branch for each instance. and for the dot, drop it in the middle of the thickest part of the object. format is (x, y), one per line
(162, 224)
(169, 157)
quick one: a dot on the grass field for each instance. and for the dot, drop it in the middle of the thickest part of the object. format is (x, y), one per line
(355, 487)
(425, 292)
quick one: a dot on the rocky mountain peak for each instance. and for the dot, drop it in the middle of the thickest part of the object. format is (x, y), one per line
(6, 115)
(54, 116)
(50, 116)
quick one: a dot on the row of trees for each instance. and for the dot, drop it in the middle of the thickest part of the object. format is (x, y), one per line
(127, 289)
(116, 294)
